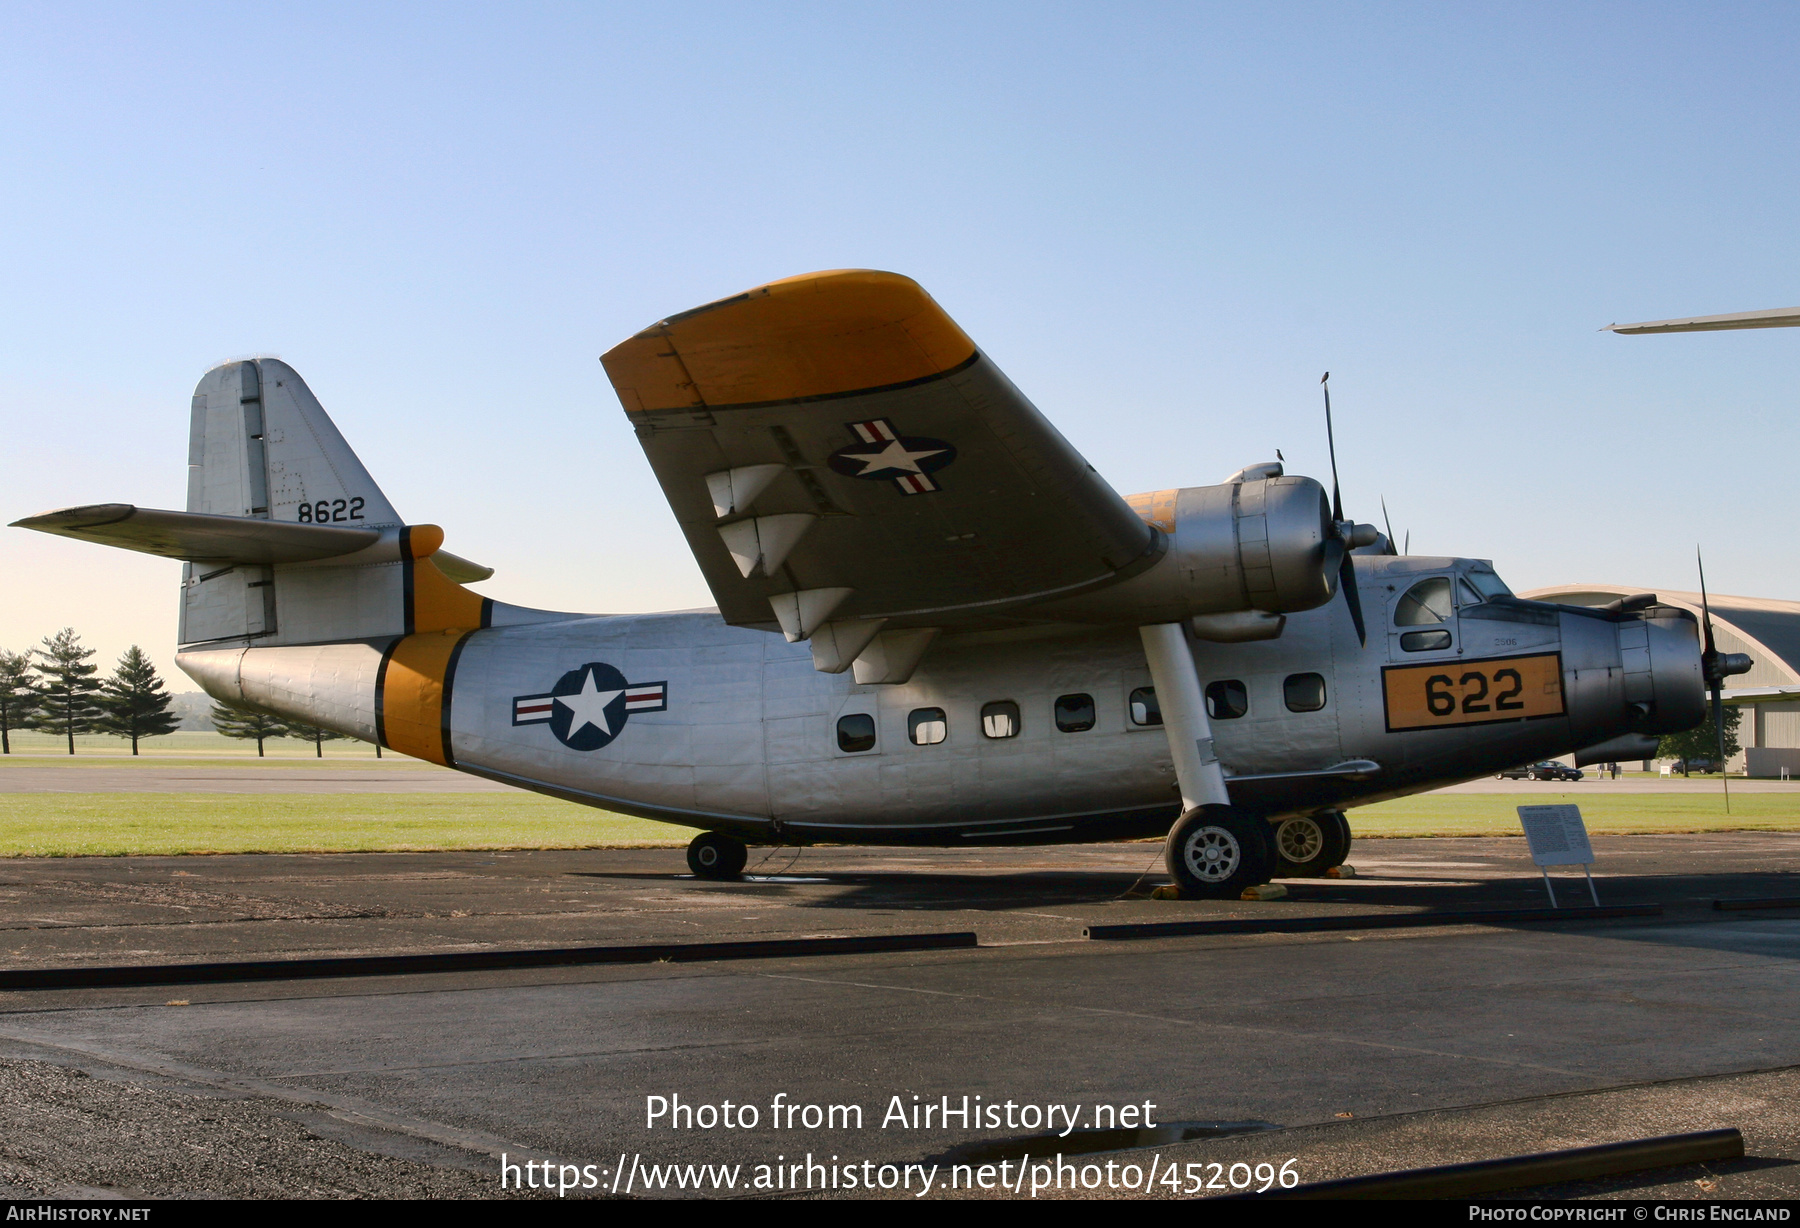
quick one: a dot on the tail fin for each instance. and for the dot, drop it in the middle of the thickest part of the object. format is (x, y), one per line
(261, 445)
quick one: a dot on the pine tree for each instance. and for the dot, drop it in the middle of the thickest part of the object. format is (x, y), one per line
(17, 700)
(245, 723)
(317, 736)
(65, 687)
(136, 705)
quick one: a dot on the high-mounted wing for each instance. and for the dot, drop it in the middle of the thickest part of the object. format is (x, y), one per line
(835, 447)
(1786, 317)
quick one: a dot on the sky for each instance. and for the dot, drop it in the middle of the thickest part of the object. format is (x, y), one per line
(1164, 222)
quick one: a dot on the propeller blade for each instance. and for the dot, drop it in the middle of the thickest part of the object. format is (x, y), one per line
(1705, 609)
(1390, 526)
(1709, 665)
(1337, 503)
(1718, 709)
(1353, 599)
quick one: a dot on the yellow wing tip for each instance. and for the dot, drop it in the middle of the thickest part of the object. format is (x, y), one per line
(816, 334)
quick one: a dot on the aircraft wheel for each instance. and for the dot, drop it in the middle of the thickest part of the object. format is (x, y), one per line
(714, 856)
(1308, 845)
(1215, 852)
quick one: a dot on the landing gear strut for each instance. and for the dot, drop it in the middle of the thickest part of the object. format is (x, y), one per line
(714, 856)
(1308, 845)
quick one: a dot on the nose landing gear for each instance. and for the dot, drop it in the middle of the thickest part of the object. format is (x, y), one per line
(717, 857)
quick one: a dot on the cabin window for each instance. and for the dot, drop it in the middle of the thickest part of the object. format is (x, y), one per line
(1000, 719)
(1304, 692)
(1424, 641)
(1425, 603)
(856, 732)
(1226, 700)
(1074, 713)
(927, 726)
(1142, 705)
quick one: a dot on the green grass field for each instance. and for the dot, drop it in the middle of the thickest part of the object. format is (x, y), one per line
(1495, 814)
(148, 824)
(118, 824)
(98, 745)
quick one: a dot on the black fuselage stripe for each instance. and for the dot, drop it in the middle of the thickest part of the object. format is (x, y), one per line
(381, 672)
(449, 691)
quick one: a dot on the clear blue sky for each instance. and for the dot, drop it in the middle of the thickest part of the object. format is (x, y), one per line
(1163, 221)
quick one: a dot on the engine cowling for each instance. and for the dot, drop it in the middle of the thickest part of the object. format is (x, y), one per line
(1265, 544)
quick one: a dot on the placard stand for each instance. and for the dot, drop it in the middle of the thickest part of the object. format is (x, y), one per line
(1558, 837)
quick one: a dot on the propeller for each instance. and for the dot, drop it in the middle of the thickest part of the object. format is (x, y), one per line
(1717, 666)
(1347, 532)
(1392, 549)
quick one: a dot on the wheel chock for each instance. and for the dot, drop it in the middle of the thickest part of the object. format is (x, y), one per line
(1167, 892)
(1265, 891)
(1341, 872)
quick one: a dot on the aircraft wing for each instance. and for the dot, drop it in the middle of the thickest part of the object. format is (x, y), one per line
(836, 434)
(1786, 317)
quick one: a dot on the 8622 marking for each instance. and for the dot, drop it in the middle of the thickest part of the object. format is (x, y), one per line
(331, 511)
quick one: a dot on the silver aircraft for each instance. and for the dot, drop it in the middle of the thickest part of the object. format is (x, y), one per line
(936, 624)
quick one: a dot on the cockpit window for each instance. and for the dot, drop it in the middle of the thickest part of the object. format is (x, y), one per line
(1488, 584)
(1468, 594)
(1427, 602)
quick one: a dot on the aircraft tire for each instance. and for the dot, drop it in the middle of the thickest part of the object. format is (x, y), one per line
(1215, 852)
(711, 855)
(1307, 846)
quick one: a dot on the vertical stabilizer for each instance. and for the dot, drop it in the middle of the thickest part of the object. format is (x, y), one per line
(261, 446)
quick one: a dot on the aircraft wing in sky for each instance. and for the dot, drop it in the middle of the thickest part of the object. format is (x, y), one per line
(1784, 317)
(835, 447)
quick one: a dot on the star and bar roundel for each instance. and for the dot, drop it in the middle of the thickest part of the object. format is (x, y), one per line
(881, 453)
(588, 707)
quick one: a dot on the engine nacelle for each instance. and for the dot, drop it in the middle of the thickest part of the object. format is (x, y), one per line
(1266, 544)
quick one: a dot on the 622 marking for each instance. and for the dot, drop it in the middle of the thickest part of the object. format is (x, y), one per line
(331, 511)
(1440, 693)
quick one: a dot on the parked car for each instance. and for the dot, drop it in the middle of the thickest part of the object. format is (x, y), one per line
(1685, 766)
(1547, 770)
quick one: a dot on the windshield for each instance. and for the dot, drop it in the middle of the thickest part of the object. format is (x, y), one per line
(1488, 584)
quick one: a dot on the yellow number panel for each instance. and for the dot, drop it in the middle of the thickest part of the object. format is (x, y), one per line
(1442, 693)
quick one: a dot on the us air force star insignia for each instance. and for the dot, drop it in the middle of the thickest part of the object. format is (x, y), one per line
(884, 453)
(587, 707)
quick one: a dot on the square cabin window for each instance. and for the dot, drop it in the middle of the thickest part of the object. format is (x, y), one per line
(1000, 719)
(1304, 692)
(927, 726)
(1142, 706)
(856, 732)
(1074, 713)
(1227, 699)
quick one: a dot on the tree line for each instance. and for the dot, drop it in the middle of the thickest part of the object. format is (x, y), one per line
(53, 688)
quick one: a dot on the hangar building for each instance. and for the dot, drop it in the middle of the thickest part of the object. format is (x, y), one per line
(1769, 631)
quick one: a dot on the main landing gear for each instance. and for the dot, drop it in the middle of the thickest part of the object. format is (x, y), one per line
(714, 856)
(1215, 852)
(1308, 845)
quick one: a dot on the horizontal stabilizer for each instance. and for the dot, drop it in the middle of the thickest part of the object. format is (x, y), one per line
(200, 537)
